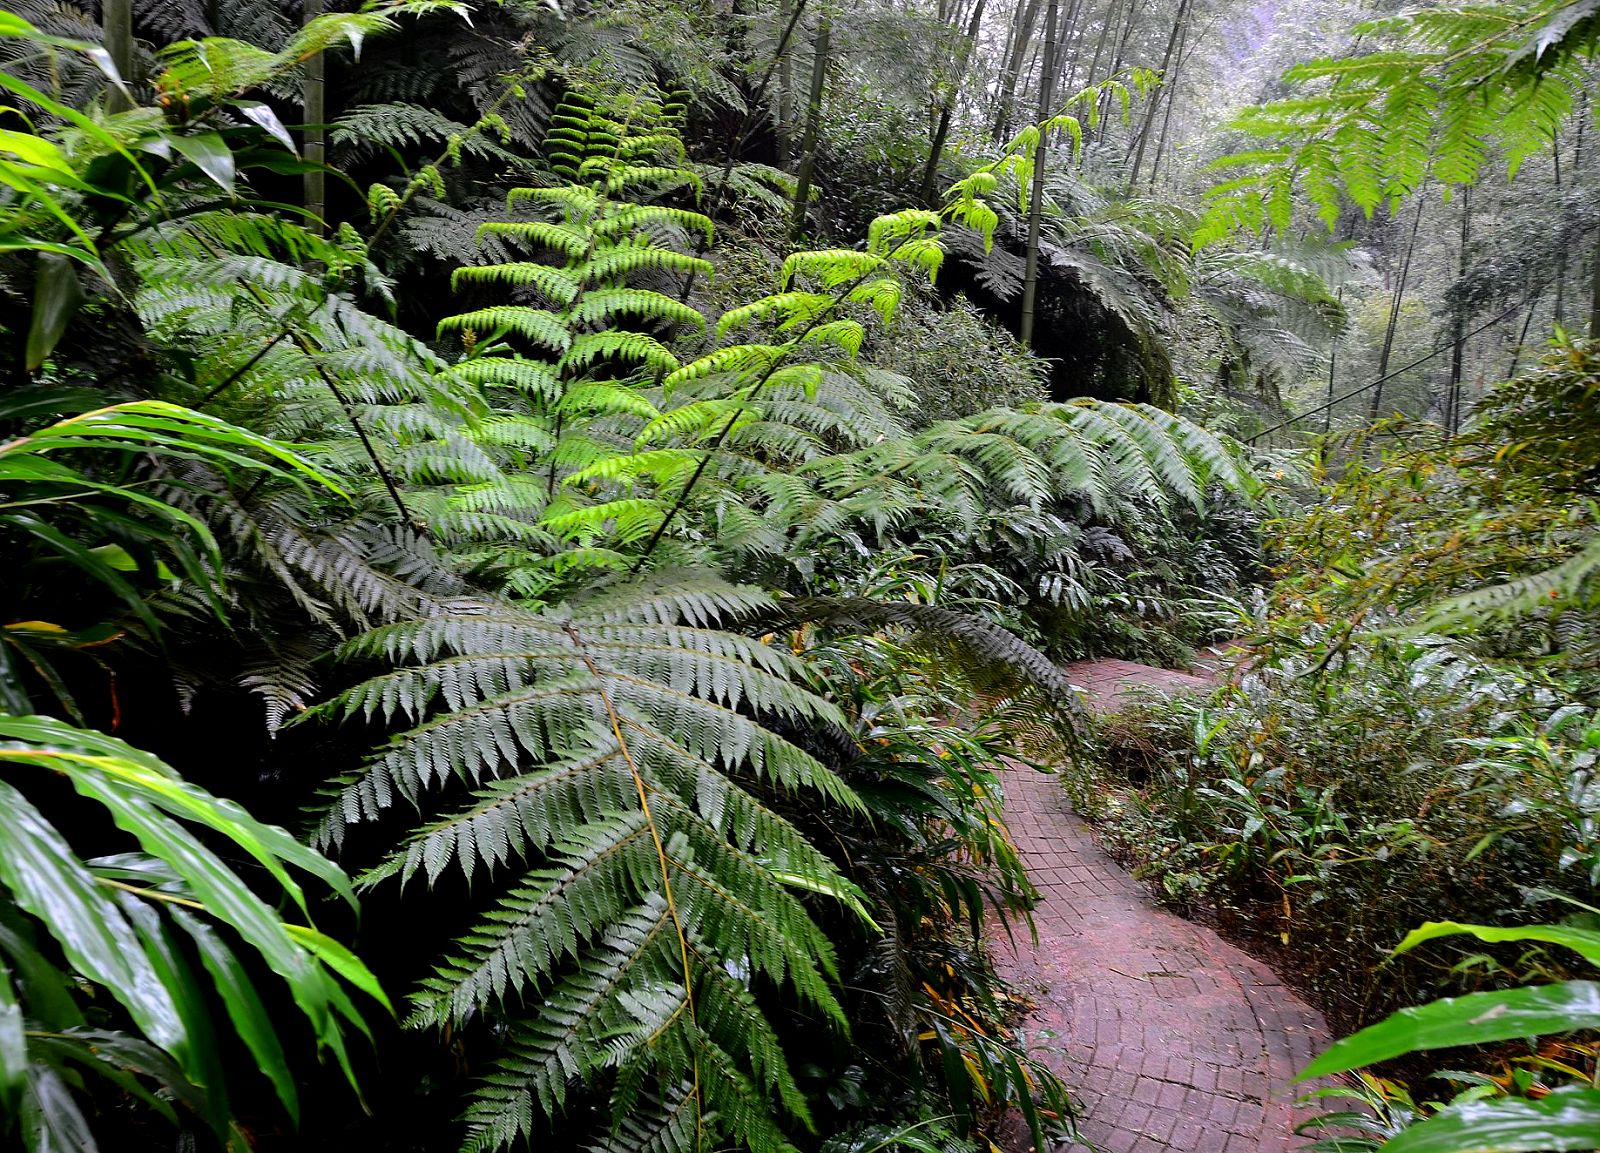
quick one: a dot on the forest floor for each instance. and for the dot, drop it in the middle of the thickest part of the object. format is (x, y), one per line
(1170, 1037)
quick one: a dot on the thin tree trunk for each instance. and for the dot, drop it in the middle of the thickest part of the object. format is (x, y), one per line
(1172, 99)
(930, 174)
(1062, 82)
(316, 136)
(808, 146)
(1594, 293)
(1561, 249)
(117, 30)
(1394, 308)
(783, 105)
(1030, 279)
(1453, 396)
(1005, 58)
(1155, 99)
(1333, 360)
(1021, 33)
(1516, 351)
(1113, 16)
(1134, 7)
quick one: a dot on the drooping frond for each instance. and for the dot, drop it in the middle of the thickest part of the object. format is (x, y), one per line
(626, 779)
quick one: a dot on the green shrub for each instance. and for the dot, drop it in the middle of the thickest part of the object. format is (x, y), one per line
(959, 362)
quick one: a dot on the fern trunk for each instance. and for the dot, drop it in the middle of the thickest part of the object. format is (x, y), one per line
(1030, 280)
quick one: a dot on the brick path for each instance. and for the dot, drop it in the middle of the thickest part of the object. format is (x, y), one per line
(1171, 1038)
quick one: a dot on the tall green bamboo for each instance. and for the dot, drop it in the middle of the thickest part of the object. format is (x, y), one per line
(808, 146)
(314, 98)
(117, 30)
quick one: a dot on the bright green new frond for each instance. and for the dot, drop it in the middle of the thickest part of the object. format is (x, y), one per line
(1436, 93)
(620, 522)
(831, 267)
(665, 467)
(887, 233)
(740, 359)
(790, 307)
(600, 305)
(557, 285)
(621, 261)
(883, 294)
(660, 178)
(530, 376)
(845, 335)
(535, 324)
(636, 347)
(694, 421)
(601, 397)
(565, 239)
(575, 199)
(630, 218)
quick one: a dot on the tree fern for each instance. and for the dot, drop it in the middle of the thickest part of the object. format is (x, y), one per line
(1448, 89)
(625, 781)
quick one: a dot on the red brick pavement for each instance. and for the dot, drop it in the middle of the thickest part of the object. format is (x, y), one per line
(1171, 1038)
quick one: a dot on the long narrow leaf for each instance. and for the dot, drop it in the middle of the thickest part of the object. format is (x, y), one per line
(46, 880)
(1475, 1019)
(1565, 1120)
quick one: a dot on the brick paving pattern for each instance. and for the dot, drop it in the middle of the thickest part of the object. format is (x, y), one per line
(1171, 1038)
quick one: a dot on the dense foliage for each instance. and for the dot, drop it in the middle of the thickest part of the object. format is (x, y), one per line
(619, 479)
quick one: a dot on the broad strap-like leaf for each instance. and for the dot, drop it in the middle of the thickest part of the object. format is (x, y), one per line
(1564, 1120)
(1475, 1019)
(49, 882)
(1585, 942)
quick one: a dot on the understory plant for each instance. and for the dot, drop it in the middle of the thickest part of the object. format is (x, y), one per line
(1543, 1094)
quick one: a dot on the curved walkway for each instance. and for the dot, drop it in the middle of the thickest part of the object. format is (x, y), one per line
(1171, 1038)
